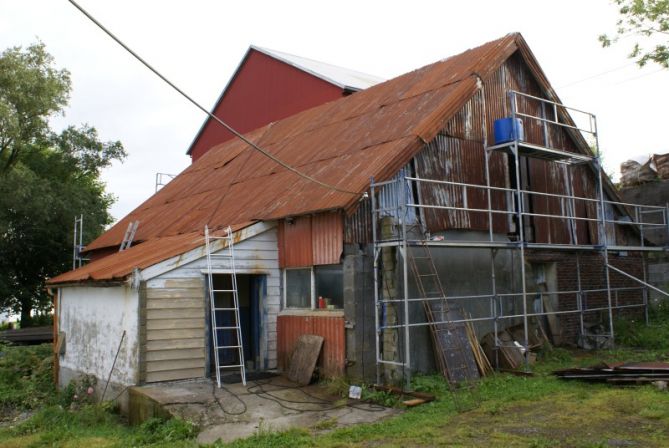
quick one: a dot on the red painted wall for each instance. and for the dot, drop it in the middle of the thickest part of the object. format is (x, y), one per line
(263, 90)
(333, 356)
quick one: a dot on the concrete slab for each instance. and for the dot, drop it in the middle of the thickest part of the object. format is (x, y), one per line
(237, 411)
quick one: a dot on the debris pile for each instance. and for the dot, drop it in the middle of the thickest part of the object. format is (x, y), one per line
(511, 352)
(619, 373)
(634, 173)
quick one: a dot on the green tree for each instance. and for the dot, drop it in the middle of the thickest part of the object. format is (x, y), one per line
(47, 179)
(647, 22)
(31, 91)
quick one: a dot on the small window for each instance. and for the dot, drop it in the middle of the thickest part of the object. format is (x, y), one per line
(298, 288)
(330, 284)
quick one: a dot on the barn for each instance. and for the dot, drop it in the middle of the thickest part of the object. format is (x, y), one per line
(513, 227)
(270, 85)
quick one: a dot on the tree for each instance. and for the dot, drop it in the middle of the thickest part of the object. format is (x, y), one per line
(47, 179)
(648, 22)
(31, 91)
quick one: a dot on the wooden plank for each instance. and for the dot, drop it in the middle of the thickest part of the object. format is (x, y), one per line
(176, 283)
(170, 375)
(179, 333)
(174, 303)
(180, 364)
(173, 344)
(170, 324)
(305, 355)
(175, 313)
(174, 293)
(166, 355)
(29, 334)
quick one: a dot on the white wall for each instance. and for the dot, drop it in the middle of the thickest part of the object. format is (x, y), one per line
(93, 319)
(256, 255)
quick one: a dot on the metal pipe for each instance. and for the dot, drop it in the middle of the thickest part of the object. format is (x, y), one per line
(521, 234)
(604, 236)
(645, 290)
(648, 285)
(579, 295)
(405, 254)
(377, 250)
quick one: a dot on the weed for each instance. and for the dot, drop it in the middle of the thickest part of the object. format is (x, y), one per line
(635, 333)
(157, 430)
(383, 398)
(265, 439)
(325, 424)
(26, 378)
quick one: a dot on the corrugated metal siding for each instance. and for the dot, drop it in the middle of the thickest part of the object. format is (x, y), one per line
(295, 244)
(358, 225)
(452, 159)
(396, 193)
(333, 356)
(327, 230)
(311, 240)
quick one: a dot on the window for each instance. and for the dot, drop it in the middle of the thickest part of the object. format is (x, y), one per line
(303, 287)
(298, 288)
(330, 284)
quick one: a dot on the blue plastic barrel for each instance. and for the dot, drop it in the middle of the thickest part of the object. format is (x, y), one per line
(505, 131)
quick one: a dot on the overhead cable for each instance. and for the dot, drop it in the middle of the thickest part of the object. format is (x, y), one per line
(211, 115)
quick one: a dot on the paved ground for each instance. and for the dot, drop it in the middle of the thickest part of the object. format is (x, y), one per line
(271, 404)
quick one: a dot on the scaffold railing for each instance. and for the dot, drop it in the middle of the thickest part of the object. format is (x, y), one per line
(407, 208)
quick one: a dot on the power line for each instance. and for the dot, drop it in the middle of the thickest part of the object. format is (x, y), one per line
(597, 75)
(196, 104)
(639, 76)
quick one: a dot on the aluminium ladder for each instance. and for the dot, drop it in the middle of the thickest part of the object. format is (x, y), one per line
(228, 329)
(128, 236)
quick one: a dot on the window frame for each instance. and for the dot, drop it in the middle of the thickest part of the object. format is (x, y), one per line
(312, 288)
(314, 300)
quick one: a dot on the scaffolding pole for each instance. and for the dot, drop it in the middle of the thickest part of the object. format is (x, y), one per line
(400, 206)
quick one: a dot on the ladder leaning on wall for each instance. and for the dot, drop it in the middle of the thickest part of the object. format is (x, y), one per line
(226, 334)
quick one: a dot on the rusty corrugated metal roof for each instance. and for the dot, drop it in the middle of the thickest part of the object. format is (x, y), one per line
(372, 133)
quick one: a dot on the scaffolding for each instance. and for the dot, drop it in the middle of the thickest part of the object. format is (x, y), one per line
(400, 200)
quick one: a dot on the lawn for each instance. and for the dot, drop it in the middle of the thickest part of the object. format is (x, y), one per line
(504, 411)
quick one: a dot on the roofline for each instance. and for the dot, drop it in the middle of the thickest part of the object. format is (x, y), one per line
(264, 51)
(267, 52)
(220, 97)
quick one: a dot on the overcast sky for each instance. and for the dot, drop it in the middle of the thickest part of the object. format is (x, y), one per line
(199, 43)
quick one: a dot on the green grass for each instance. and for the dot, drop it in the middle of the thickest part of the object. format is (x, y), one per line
(505, 410)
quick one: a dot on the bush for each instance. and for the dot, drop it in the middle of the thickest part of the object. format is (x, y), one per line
(26, 376)
(635, 333)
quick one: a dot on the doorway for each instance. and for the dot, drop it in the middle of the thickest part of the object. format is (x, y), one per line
(251, 291)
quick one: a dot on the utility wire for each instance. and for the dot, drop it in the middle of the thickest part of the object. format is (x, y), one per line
(196, 104)
(597, 75)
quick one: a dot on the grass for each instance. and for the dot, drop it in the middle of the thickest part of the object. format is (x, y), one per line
(505, 411)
